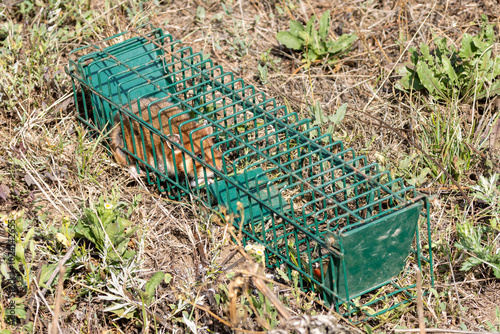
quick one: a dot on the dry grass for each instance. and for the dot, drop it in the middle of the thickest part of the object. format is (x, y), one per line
(52, 168)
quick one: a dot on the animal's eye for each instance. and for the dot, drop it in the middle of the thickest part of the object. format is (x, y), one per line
(200, 156)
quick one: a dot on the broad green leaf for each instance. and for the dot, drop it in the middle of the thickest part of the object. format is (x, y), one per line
(310, 24)
(466, 49)
(289, 40)
(449, 70)
(20, 254)
(429, 80)
(404, 82)
(496, 271)
(107, 217)
(470, 263)
(315, 110)
(128, 254)
(311, 56)
(19, 226)
(28, 236)
(424, 49)
(47, 270)
(489, 34)
(305, 37)
(339, 114)
(296, 27)
(3, 270)
(415, 81)
(113, 230)
(122, 247)
(19, 310)
(329, 131)
(487, 63)
(151, 285)
(414, 55)
(315, 43)
(442, 46)
(479, 44)
(131, 232)
(324, 24)
(342, 44)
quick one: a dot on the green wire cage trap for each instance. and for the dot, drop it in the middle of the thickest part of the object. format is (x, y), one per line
(320, 210)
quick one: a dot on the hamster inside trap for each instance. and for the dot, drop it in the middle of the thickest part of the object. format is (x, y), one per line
(178, 126)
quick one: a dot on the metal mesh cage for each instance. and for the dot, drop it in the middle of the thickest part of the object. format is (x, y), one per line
(321, 210)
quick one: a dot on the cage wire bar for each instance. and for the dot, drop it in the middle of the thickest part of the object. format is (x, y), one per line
(320, 210)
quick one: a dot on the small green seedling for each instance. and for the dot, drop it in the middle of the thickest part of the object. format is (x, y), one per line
(262, 73)
(200, 14)
(316, 44)
(320, 119)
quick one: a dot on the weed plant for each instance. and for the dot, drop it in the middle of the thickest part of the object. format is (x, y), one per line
(315, 44)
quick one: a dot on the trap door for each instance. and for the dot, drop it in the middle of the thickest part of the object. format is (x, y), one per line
(126, 79)
(373, 254)
(255, 182)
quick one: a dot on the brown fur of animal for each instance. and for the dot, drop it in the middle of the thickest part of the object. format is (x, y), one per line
(172, 119)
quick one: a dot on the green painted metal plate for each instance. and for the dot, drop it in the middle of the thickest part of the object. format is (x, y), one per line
(375, 253)
(120, 84)
(256, 183)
